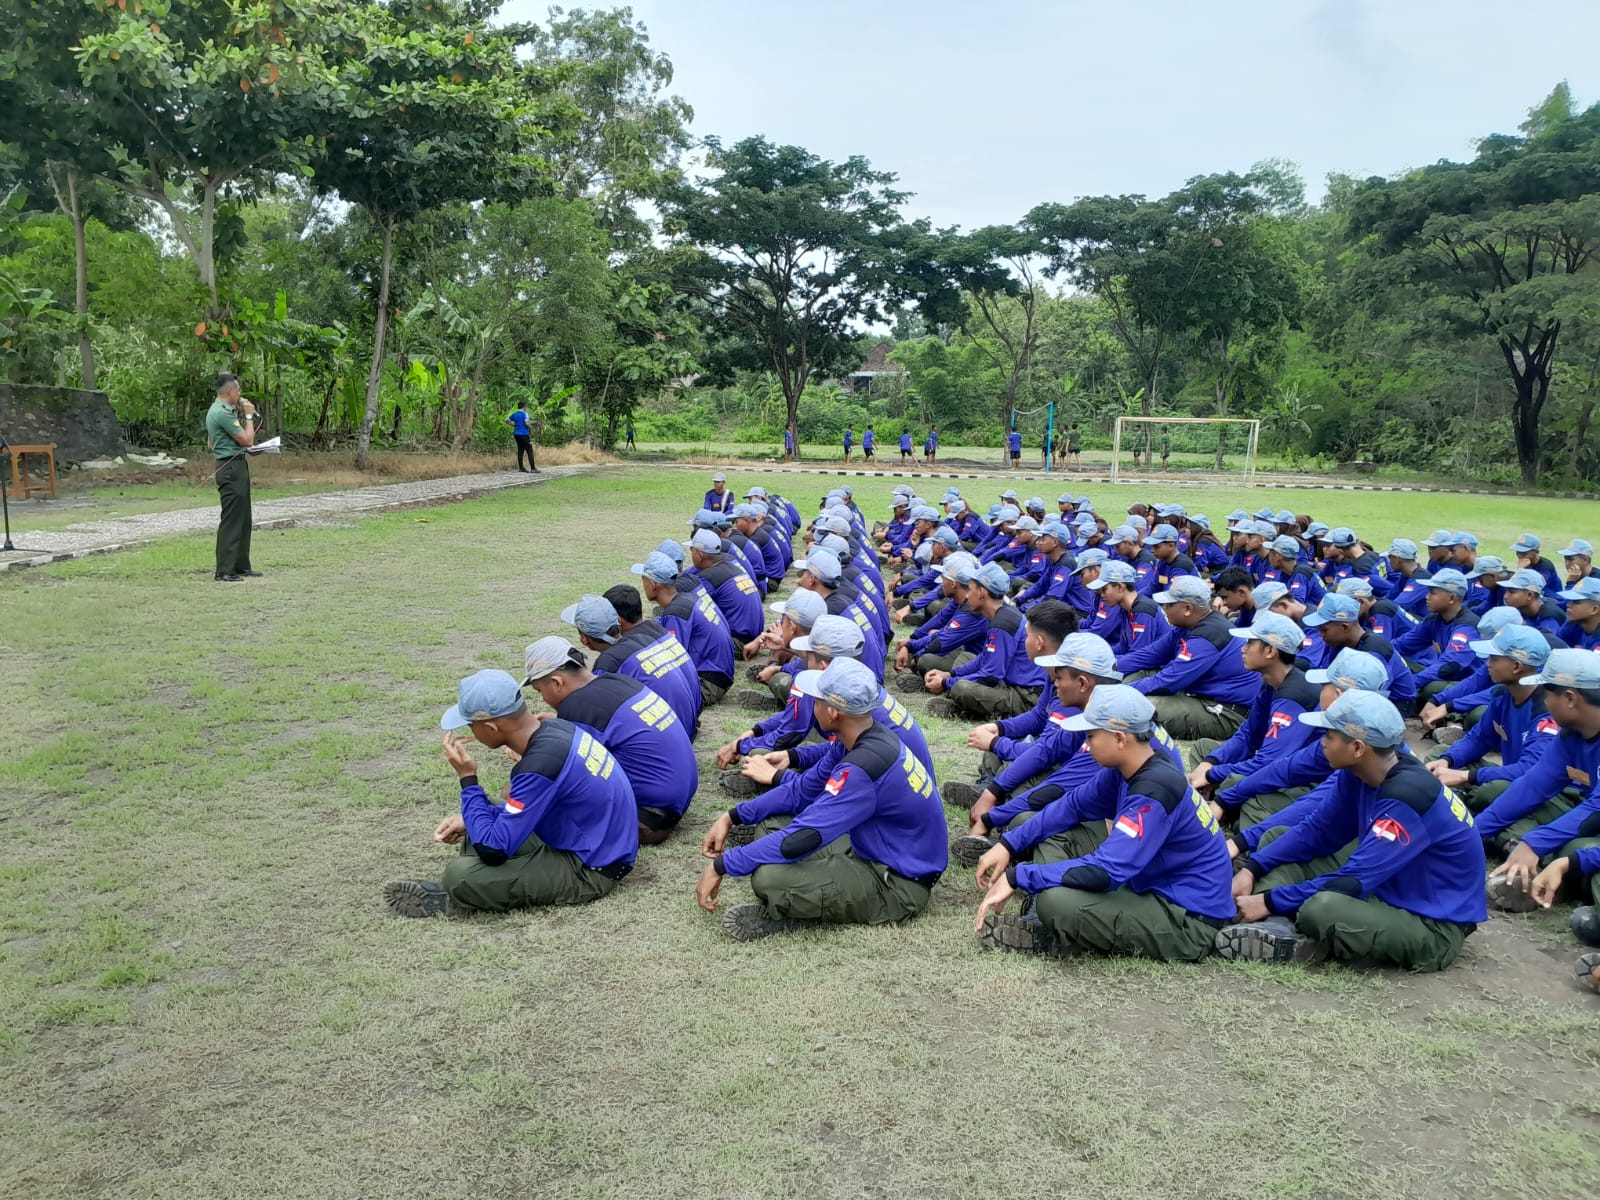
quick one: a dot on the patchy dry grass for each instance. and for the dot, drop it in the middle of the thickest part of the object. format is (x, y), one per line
(200, 995)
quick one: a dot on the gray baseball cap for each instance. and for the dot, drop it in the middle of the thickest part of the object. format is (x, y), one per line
(1286, 546)
(1568, 668)
(1086, 652)
(960, 567)
(832, 637)
(945, 536)
(1364, 717)
(1334, 607)
(1355, 586)
(1354, 670)
(803, 607)
(657, 568)
(1576, 547)
(1587, 588)
(706, 541)
(824, 564)
(847, 685)
(1185, 589)
(1113, 571)
(1264, 595)
(1092, 557)
(1448, 580)
(993, 578)
(1525, 581)
(1523, 643)
(1162, 534)
(1116, 707)
(483, 696)
(1404, 549)
(1276, 630)
(594, 617)
(547, 655)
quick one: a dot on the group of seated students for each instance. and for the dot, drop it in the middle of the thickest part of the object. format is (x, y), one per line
(1192, 743)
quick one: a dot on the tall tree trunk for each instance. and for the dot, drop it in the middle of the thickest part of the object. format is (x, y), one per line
(320, 434)
(380, 333)
(80, 250)
(1580, 440)
(1525, 427)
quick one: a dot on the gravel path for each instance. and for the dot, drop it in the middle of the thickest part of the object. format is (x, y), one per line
(99, 537)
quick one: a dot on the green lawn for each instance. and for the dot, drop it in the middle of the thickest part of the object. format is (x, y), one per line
(200, 995)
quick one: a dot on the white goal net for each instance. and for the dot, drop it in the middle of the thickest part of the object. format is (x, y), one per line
(1200, 449)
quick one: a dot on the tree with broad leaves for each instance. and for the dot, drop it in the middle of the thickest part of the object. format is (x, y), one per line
(1500, 247)
(799, 250)
(437, 112)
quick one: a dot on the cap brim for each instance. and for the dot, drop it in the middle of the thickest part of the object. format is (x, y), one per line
(1244, 635)
(1317, 719)
(808, 681)
(453, 719)
(1079, 723)
(1532, 680)
(1482, 649)
(1318, 676)
(569, 614)
(1313, 618)
(777, 606)
(1095, 585)
(1576, 595)
(1166, 598)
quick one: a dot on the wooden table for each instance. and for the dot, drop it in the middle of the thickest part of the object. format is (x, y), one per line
(19, 478)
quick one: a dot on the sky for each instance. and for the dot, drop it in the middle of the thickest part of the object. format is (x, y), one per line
(985, 109)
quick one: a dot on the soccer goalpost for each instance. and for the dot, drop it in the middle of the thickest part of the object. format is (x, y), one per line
(1148, 442)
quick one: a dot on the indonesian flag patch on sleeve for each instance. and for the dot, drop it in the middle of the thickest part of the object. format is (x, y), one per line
(513, 807)
(1391, 830)
(837, 782)
(1131, 824)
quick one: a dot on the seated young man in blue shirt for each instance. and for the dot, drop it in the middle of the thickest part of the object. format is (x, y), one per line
(876, 798)
(1582, 630)
(566, 832)
(1205, 690)
(1002, 680)
(692, 618)
(636, 725)
(640, 648)
(1157, 886)
(1410, 893)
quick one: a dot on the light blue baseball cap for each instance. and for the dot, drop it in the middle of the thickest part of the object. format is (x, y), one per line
(1487, 564)
(1140, 525)
(1056, 530)
(1008, 512)
(1587, 588)
(1363, 717)
(1317, 530)
(951, 493)
(824, 564)
(1334, 607)
(1525, 581)
(1009, 494)
(1448, 580)
(1526, 543)
(756, 490)
(803, 607)
(1354, 670)
(835, 544)
(1116, 707)
(1085, 503)
(1088, 653)
(832, 637)
(1264, 595)
(1185, 589)
(1035, 504)
(1092, 557)
(1266, 514)
(1355, 586)
(1065, 498)
(706, 541)
(960, 567)
(593, 617)
(672, 549)
(483, 696)
(1342, 536)
(1576, 547)
(945, 536)
(657, 568)
(1200, 519)
(1025, 525)
(1285, 545)
(1276, 630)
(1497, 618)
(1125, 533)
(1523, 643)
(958, 505)
(745, 512)
(1439, 538)
(1161, 535)
(1404, 549)
(1464, 538)
(847, 685)
(993, 578)
(1568, 668)
(1114, 571)
(703, 519)
(1237, 515)
(925, 513)
(1285, 517)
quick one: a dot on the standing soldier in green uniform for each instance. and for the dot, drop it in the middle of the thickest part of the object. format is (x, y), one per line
(230, 431)
(1166, 446)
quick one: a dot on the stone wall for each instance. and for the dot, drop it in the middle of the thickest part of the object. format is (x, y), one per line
(81, 424)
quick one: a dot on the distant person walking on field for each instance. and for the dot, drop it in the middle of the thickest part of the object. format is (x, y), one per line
(905, 449)
(1166, 446)
(1074, 448)
(1014, 445)
(630, 444)
(788, 445)
(518, 420)
(230, 431)
(849, 440)
(930, 448)
(869, 445)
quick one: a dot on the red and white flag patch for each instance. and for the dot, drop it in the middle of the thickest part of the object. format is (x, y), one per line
(513, 807)
(1391, 830)
(836, 784)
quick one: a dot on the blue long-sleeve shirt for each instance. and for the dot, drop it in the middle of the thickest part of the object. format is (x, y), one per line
(716, 501)
(1020, 732)
(1416, 848)
(1579, 638)
(1443, 648)
(879, 794)
(657, 659)
(736, 596)
(569, 792)
(1307, 766)
(1519, 733)
(1163, 840)
(1207, 663)
(1572, 761)
(696, 621)
(1410, 593)
(1209, 556)
(963, 630)
(788, 726)
(1004, 655)
(1273, 730)
(1148, 640)
(1077, 771)
(1054, 582)
(1582, 821)
(1469, 692)
(643, 733)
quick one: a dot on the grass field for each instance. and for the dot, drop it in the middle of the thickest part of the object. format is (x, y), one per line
(200, 995)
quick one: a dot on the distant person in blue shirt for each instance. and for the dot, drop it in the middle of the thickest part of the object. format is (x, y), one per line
(1014, 445)
(788, 445)
(719, 499)
(930, 448)
(566, 831)
(518, 420)
(630, 444)
(905, 449)
(849, 440)
(869, 445)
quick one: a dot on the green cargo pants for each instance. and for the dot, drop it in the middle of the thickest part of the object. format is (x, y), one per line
(1069, 843)
(917, 617)
(943, 662)
(1188, 718)
(992, 701)
(1124, 922)
(233, 527)
(1301, 872)
(1260, 808)
(1374, 934)
(536, 877)
(779, 686)
(992, 766)
(1558, 805)
(711, 692)
(837, 886)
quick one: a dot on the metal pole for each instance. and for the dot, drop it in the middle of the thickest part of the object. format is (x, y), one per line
(1255, 440)
(1116, 448)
